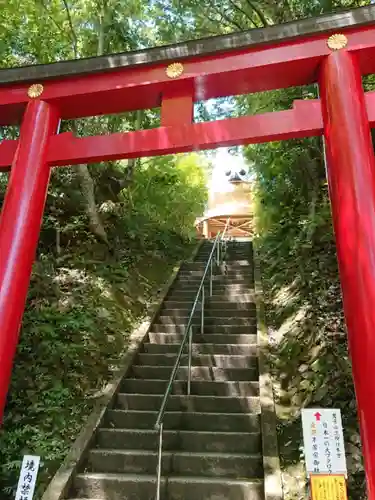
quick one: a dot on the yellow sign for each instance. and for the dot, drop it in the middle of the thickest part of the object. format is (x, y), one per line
(328, 487)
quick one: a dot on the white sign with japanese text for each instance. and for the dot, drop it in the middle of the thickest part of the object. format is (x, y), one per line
(323, 441)
(27, 480)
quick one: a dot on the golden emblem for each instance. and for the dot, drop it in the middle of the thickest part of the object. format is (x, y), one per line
(174, 70)
(337, 41)
(35, 90)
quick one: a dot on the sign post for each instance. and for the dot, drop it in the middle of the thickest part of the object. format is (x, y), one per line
(324, 453)
(324, 442)
(28, 475)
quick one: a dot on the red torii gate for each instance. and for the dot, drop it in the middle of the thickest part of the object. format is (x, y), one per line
(332, 50)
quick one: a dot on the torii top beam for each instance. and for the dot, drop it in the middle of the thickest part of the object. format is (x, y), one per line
(256, 60)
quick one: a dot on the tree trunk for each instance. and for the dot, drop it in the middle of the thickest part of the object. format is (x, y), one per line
(88, 193)
(86, 181)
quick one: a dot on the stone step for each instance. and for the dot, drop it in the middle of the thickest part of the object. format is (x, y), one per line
(211, 317)
(197, 373)
(199, 349)
(245, 249)
(182, 283)
(208, 464)
(217, 279)
(179, 330)
(183, 295)
(210, 312)
(223, 283)
(195, 421)
(233, 264)
(190, 290)
(207, 338)
(171, 302)
(206, 360)
(232, 277)
(210, 304)
(137, 487)
(215, 306)
(203, 404)
(225, 267)
(234, 258)
(200, 488)
(199, 387)
(186, 295)
(233, 251)
(182, 321)
(233, 298)
(245, 272)
(230, 287)
(198, 270)
(202, 260)
(147, 439)
(204, 255)
(229, 254)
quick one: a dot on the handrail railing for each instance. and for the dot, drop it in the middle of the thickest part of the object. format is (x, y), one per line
(188, 336)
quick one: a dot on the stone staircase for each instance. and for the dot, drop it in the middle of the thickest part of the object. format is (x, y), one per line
(212, 446)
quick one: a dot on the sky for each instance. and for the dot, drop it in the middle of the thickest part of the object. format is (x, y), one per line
(223, 161)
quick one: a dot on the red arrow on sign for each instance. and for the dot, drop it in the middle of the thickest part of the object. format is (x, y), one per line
(317, 415)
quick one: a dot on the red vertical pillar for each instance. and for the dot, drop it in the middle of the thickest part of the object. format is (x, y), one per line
(20, 223)
(351, 179)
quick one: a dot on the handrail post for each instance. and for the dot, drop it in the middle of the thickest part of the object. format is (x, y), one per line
(190, 348)
(211, 279)
(158, 470)
(218, 254)
(202, 312)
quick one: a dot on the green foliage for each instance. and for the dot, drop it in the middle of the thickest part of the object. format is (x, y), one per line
(311, 366)
(84, 300)
(186, 19)
(169, 192)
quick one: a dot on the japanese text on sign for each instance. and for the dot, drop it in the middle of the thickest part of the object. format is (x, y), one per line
(328, 487)
(27, 480)
(323, 441)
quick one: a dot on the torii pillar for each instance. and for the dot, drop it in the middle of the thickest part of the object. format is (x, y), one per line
(351, 178)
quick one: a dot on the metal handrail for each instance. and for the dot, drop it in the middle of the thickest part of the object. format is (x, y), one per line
(187, 336)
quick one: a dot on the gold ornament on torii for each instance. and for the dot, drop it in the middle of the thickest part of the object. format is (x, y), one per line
(174, 70)
(337, 41)
(35, 90)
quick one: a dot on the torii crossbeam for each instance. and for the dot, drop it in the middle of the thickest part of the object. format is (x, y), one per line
(334, 51)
